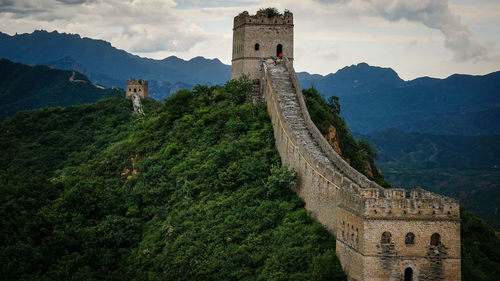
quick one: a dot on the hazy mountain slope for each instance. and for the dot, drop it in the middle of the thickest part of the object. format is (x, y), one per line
(24, 87)
(466, 167)
(374, 99)
(68, 63)
(107, 64)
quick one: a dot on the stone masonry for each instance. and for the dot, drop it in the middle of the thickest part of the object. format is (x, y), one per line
(382, 234)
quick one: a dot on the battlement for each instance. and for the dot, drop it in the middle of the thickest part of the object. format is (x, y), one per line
(262, 18)
(132, 81)
(397, 203)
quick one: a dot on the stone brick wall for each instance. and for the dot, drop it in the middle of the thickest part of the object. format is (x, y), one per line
(355, 209)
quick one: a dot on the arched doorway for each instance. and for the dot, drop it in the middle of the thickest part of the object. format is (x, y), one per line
(435, 239)
(279, 49)
(408, 274)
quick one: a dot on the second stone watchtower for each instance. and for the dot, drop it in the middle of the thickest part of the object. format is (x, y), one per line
(262, 36)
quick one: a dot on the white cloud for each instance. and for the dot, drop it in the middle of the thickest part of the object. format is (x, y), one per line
(435, 14)
(137, 26)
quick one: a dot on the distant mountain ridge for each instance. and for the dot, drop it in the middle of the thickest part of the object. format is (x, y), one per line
(24, 87)
(352, 79)
(375, 99)
(105, 64)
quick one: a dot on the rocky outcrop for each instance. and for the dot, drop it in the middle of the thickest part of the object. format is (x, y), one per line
(331, 137)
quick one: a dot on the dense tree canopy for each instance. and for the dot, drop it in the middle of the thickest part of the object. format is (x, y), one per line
(193, 191)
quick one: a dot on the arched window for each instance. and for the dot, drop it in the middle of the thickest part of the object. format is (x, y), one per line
(410, 239)
(135, 90)
(435, 239)
(279, 50)
(408, 274)
(386, 238)
(257, 46)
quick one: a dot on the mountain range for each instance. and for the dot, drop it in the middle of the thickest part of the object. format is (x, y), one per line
(106, 65)
(372, 98)
(375, 98)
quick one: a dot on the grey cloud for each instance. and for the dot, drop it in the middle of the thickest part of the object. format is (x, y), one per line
(435, 14)
(72, 2)
(6, 3)
(155, 26)
(23, 7)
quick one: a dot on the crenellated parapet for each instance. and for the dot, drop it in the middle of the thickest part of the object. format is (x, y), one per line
(398, 203)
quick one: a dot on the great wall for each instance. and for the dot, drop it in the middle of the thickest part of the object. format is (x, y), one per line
(382, 234)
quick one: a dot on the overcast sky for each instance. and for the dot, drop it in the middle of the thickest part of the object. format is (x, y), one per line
(415, 37)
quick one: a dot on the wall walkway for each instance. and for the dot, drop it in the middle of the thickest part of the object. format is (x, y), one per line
(355, 209)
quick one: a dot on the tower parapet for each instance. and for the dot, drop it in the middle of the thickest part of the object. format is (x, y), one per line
(398, 204)
(262, 17)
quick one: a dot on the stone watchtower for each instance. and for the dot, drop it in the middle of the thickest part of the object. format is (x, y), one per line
(140, 87)
(382, 234)
(258, 37)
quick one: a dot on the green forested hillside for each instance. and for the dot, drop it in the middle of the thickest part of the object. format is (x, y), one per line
(192, 191)
(24, 87)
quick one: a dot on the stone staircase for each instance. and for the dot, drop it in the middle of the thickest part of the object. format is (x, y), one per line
(287, 98)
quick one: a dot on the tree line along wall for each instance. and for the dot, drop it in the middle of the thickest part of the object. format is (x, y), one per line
(372, 224)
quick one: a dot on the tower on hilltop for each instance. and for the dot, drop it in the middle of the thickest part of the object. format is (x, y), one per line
(140, 87)
(263, 35)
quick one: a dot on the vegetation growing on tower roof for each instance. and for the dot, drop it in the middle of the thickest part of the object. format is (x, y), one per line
(271, 12)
